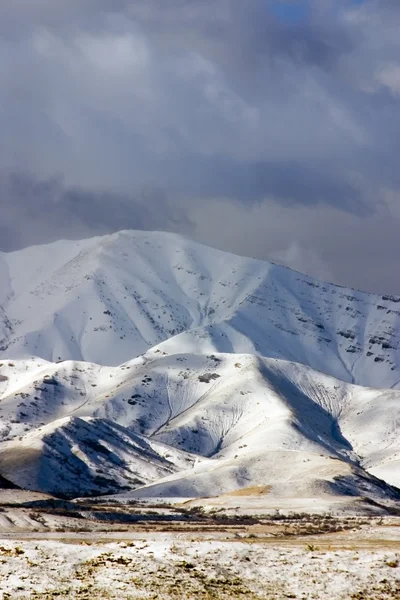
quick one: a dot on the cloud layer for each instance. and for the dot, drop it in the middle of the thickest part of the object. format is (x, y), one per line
(264, 127)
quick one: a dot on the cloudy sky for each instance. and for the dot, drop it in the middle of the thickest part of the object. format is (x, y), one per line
(264, 127)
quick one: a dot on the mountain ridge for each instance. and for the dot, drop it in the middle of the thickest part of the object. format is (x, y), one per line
(146, 364)
(222, 413)
(134, 290)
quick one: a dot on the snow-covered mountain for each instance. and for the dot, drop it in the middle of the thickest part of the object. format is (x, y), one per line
(109, 299)
(195, 425)
(232, 373)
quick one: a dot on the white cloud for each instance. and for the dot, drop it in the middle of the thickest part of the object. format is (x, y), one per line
(389, 76)
(115, 54)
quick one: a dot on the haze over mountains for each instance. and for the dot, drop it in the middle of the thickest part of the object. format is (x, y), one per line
(233, 373)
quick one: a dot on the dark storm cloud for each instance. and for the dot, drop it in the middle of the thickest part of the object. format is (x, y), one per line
(33, 211)
(241, 120)
(289, 182)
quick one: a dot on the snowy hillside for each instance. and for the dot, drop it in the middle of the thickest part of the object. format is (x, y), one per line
(195, 425)
(233, 373)
(112, 298)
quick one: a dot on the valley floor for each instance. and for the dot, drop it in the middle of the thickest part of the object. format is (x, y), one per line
(336, 558)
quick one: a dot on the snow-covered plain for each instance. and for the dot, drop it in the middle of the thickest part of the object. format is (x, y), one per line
(149, 365)
(166, 568)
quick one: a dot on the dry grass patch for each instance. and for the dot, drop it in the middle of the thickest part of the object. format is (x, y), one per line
(254, 490)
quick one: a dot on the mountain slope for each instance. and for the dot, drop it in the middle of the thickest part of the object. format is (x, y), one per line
(195, 425)
(109, 299)
(74, 456)
(232, 373)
